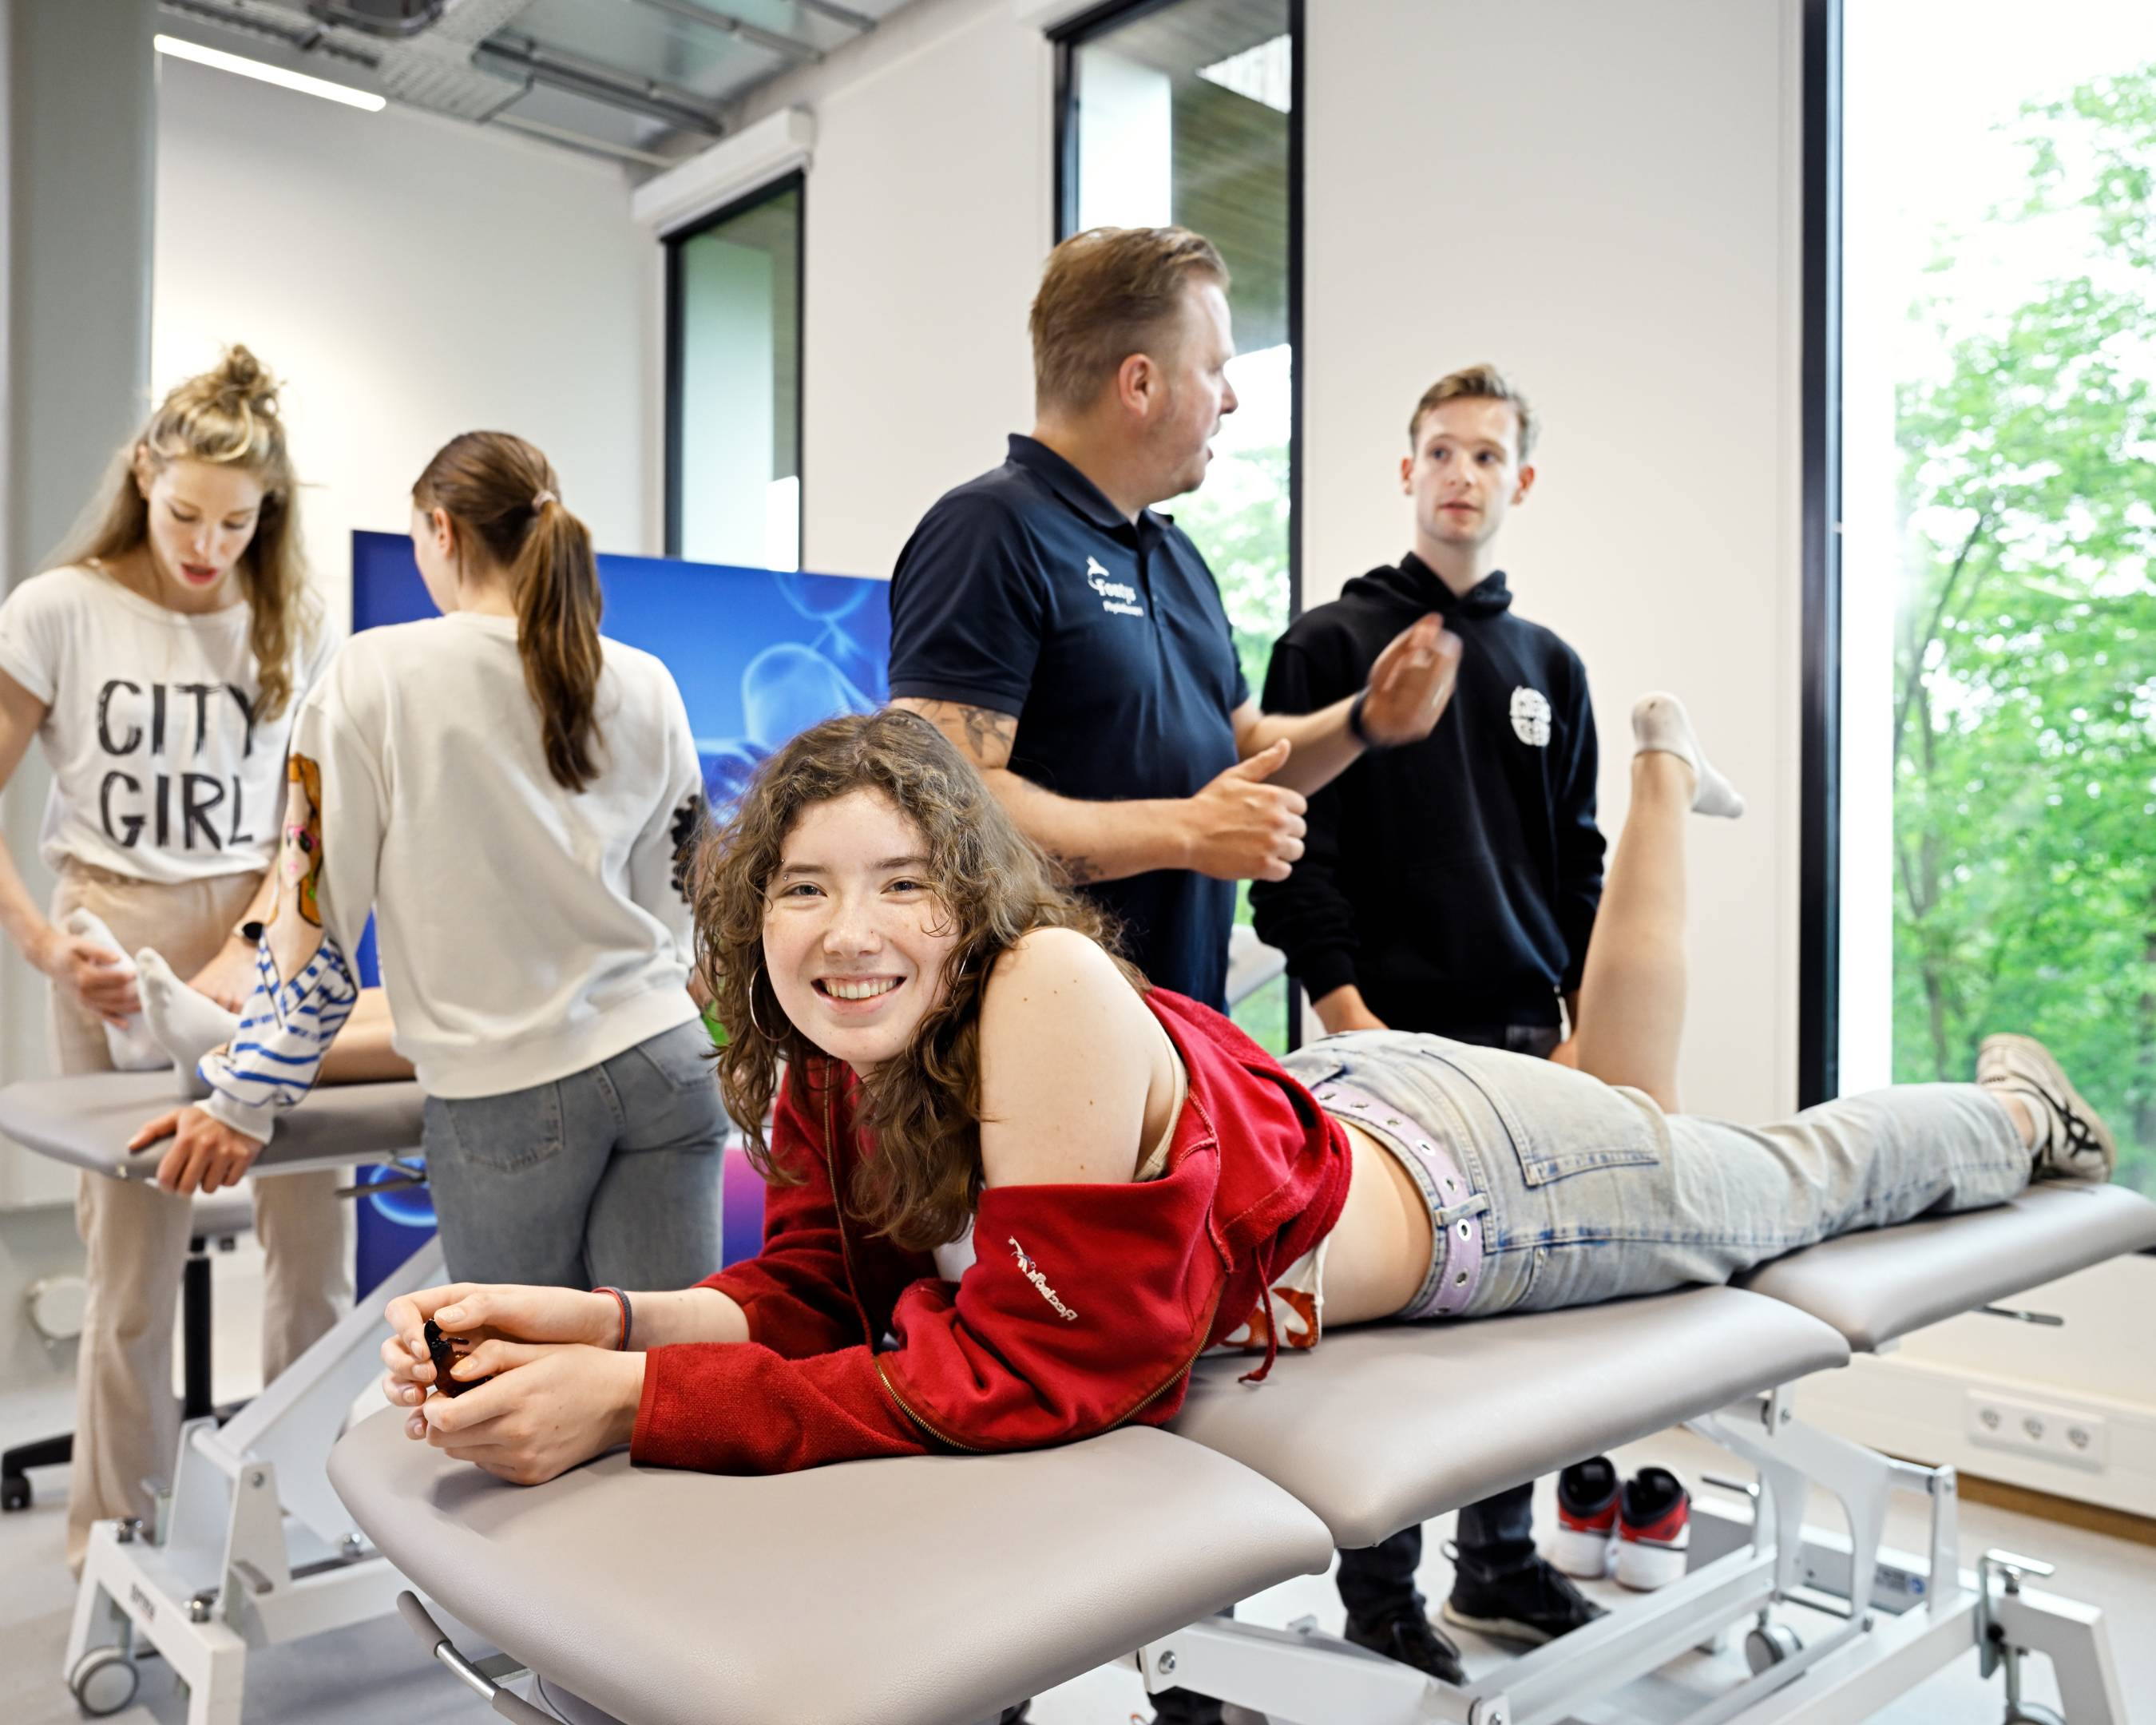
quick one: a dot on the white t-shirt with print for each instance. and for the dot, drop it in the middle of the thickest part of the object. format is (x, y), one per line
(161, 769)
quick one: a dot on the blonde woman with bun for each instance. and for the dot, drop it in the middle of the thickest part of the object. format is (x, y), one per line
(159, 665)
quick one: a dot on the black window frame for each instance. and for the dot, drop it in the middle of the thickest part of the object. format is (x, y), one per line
(1818, 935)
(1067, 38)
(796, 181)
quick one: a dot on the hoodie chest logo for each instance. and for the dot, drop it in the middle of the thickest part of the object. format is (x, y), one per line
(1031, 1271)
(1530, 717)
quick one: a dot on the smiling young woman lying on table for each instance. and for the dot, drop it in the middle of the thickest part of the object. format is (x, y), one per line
(951, 1044)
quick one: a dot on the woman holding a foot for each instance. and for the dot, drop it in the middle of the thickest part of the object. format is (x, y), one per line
(160, 665)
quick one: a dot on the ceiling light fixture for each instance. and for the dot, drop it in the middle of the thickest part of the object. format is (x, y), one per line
(184, 50)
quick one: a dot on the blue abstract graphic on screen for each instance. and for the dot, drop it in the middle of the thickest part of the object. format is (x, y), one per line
(760, 654)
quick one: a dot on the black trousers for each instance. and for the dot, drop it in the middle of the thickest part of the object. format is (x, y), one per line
(1495, 1537)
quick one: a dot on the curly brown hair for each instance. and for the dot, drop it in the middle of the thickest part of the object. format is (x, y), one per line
(922, 1107)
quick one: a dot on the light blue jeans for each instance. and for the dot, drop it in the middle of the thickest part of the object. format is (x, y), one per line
(608, 1175)
(1587, 1192)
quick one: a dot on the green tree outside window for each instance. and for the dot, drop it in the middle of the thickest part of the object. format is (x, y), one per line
(2024, 717)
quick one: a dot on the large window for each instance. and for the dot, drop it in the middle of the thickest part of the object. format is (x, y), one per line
(1996, 634)
(1184, 113)
(733, 408)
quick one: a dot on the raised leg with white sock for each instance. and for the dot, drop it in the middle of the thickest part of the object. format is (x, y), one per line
(1659, 721)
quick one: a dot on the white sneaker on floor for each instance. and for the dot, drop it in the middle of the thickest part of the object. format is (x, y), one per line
(2072, 1141)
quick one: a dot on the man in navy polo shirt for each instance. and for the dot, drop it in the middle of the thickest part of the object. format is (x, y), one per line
(1072, 642)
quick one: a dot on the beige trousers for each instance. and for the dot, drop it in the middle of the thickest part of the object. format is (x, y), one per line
(127, 1420)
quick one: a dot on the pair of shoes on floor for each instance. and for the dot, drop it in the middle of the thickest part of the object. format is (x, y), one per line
(1640, 1530)
(1533, 1603)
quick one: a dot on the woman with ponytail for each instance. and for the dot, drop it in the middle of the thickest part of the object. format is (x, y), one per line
(159, 665)
(514, 798)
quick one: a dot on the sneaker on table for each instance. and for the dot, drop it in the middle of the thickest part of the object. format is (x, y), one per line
(1587, 1519)
(2073, 1141)
(1654, 1530)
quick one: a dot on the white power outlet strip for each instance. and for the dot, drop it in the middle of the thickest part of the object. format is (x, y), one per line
(2072, 1436)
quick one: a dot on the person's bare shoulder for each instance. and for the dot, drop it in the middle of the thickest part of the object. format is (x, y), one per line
(1067, 1050)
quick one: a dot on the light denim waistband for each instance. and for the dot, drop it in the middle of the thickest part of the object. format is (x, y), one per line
(1456, 1257)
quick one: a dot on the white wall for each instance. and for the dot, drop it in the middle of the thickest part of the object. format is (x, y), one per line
(410, 278)
(928, 214)
(1604, 201)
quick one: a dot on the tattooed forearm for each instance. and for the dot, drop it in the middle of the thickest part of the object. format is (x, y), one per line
(1077, 871)
(984, 726)
(984, 734)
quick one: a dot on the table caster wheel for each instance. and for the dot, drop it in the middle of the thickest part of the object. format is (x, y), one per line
(15, 1492)
(104, 1681)
(1769, 1645)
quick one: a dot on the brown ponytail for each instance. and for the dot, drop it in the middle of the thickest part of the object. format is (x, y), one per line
(228, 416)
(500, 493)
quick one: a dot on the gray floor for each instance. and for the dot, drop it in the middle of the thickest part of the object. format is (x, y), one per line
(375, 1674)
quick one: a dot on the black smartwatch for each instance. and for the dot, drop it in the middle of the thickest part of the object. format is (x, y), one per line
(251, 932)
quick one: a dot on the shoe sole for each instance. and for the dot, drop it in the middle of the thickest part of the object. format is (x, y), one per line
(1584, 1556)
(2052, 1076)
(1644, 1568)
(1496, 1629)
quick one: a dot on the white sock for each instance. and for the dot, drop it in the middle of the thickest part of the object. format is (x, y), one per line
(186, 1024)
(130, 1046)
(1659, 722)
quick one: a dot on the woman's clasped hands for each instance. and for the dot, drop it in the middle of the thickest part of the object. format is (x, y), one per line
(546, 1387)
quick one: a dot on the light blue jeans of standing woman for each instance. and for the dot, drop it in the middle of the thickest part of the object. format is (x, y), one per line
(608, 1175)
(1585, 1191)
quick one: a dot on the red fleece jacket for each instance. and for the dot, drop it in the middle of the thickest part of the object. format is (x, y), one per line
(1084, 1308)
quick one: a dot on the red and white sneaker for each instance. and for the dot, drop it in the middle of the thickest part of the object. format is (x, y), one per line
(1654, 1530)
(1587, 1519)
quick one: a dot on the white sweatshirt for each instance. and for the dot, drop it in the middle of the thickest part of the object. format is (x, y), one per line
(526, 932)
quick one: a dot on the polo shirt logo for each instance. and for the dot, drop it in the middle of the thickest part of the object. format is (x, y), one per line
(1119, 598)
(1530, 717)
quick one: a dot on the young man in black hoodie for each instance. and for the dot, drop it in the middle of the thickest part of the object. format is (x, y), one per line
(1449, 886)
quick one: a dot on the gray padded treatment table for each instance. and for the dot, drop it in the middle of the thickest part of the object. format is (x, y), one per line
(87, 1119)
(670, 1598)
(1385, 1425)
(1885, 1282)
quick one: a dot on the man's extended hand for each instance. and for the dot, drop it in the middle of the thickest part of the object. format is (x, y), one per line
(1411, 684)
(1242, 828)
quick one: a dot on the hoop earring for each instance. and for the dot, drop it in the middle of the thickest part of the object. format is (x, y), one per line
(752, 1018)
